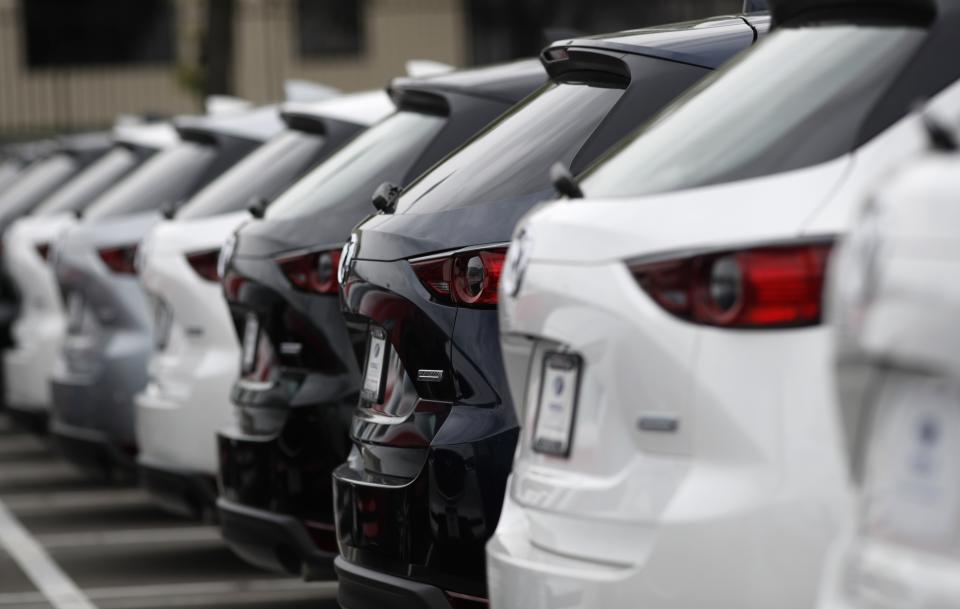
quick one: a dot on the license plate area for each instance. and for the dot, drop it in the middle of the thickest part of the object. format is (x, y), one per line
(374, 368)
(912, 482)
(162, 324)
(251, 343)
(74, 312)
(557, 406)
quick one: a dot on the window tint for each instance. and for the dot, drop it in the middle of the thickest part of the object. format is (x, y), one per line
(97, 178)
(166, 178)
(261, 175)
(382, 153)
(798, 100)
(512, 157)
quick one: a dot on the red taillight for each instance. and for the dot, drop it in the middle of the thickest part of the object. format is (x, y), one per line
(765, 287)
(44, 250)
(313, 271)
(120, 259)
(205, 264)
(465, 278)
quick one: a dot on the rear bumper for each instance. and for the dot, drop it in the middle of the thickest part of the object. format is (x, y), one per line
(29, 366)
(101, 397)
(273, 542)
(361, 588)
(91, 450)
(432, 528)
(186, 493)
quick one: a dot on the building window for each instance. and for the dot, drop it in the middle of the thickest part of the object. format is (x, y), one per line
(98, 32)
(329, 27)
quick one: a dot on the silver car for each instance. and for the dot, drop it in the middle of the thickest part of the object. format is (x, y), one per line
(109, 330)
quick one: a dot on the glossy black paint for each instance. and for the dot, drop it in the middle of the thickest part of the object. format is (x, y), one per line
(422, 490)
(294, 430)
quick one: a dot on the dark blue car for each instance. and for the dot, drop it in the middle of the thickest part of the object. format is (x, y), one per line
(434, 431)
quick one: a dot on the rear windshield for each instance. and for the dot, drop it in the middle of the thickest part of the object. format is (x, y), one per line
(94, 180)
(36, 182)
(799, 99)
(512, 157)
(168, 177)
(263, 174)
(382, 153)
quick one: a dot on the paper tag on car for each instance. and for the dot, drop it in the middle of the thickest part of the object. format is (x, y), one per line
(556, 411)
(251, 336)
(912, 487)
(374, 370)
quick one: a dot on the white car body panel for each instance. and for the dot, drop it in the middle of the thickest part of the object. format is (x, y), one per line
(38, 331)
(750, 490)
(188, 393)
(898, 375)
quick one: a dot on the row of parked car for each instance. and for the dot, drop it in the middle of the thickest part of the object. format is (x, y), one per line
(356, 333)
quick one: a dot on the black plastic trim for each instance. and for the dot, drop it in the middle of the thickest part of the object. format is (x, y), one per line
(362, 588)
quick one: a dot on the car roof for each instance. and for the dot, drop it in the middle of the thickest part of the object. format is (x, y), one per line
(508, 82)
(259, 124)
(364, 108)
(147, 135)
(83, 143)
(707, 42)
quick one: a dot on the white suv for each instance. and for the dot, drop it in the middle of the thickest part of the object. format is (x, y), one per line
(663, 336)
(895, 304)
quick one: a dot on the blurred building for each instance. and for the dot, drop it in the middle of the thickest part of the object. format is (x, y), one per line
(76, 64)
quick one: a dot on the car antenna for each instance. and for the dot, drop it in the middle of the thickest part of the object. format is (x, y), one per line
(258, 206)
(564, 181)
(168, 210)
(385, 197)
(942, 138)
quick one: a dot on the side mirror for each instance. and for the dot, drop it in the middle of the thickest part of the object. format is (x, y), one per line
(257, 207)
(168, 210)
(385, 197)
(564, 181)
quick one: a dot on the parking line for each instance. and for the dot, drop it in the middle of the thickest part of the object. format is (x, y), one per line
(46, 575)
(132, 537)
(195, 594)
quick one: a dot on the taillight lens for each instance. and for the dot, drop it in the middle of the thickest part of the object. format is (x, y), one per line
(120, 259)
(465, 278)
(313, 271)
(767, 287)
(205, 264)
(44, 250)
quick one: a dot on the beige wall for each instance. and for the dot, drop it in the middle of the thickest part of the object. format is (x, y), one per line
(265, 54)
(72, 98)
(396, 30)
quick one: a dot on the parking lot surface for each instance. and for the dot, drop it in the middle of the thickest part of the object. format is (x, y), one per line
(71, 542)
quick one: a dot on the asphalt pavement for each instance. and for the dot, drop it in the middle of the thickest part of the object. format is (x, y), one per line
(68, 541)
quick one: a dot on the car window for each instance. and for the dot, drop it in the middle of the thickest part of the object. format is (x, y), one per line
(263, 174)
(382, 153)
(166, 178)
(799, 99)
(35, 183)
(94, 180)
(512, 157)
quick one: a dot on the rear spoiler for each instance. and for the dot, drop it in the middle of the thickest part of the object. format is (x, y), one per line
(560, 60)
